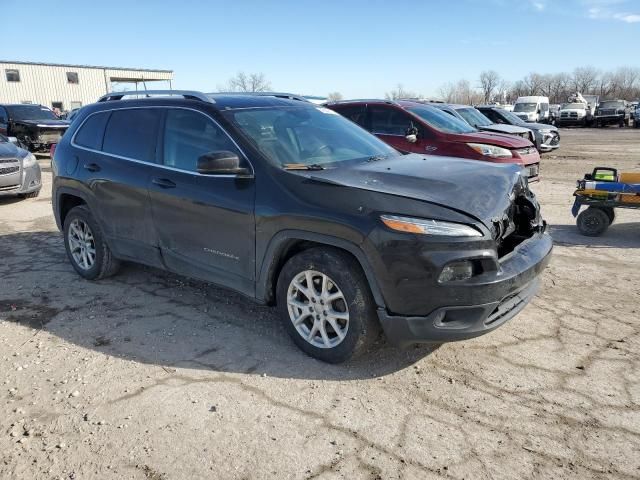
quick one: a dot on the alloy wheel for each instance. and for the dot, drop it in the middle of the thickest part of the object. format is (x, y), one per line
(318, 309)
(82, 244)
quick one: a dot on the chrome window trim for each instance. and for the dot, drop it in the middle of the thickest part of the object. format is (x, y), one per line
(75, 145)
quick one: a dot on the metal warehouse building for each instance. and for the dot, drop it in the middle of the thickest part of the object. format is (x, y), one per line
(67, 86)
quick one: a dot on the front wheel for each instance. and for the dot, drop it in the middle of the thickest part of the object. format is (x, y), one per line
(86, 248)
(326, 305)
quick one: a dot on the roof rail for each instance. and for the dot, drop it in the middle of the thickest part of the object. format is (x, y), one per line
(188, 94)
(290, 96)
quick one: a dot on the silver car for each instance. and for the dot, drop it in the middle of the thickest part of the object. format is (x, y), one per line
(19, 170)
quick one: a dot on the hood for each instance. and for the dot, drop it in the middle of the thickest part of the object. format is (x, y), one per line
(9, 150)
(503, 128)
(44, 123)
(498, 139)
(481, 190)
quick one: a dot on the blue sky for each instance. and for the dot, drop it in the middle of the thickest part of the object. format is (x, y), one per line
(359, 48)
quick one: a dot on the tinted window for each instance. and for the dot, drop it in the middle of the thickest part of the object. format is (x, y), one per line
(92, 131)
(389, 121)
(132, 133)
(31, 112)
(188, 135)
(356, 114)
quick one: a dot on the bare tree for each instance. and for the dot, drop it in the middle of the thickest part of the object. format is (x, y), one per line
(252, 82)
(334, 97)
(489, 81)
(399, 93)
(584, 79)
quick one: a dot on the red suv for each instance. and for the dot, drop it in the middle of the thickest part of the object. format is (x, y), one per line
(413, 127)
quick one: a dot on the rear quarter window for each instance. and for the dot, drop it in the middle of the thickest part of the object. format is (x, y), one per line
(91, 132)
(132, 133)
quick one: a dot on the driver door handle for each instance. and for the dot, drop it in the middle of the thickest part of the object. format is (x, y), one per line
(92, 167)
(163, 183)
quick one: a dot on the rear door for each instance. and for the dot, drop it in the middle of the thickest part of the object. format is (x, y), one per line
(115, 151)
(205, 223)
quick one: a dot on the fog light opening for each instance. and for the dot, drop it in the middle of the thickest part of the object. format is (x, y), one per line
(456, 271)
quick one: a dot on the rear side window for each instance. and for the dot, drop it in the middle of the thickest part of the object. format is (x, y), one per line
(91, 132)
(188, 135)
(132, 133)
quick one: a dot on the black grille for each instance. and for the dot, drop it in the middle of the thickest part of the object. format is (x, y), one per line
(8, 160)
(8, 170)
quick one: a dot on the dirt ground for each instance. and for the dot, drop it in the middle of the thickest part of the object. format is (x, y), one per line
(148, 375)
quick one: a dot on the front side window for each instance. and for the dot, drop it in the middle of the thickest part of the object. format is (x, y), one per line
(132, 133)
(72, 77)
(189, 135)
(31, 112)
(356, 114)
(440, 120)
(91, 132)
(12, 75)
(306, 135)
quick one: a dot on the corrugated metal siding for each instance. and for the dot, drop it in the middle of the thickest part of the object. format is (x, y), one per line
(45, 84)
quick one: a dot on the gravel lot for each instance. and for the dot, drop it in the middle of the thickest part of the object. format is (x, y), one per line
(149, 375)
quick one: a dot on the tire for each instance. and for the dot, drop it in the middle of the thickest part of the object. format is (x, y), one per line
(31, 194)
(593, 222)
(355, 331)
(611, 213)
(104, 264)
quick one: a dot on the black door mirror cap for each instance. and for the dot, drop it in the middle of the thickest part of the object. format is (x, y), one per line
(221, 163)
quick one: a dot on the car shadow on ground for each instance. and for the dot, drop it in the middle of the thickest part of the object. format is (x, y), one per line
(618, 235)
(146, 315)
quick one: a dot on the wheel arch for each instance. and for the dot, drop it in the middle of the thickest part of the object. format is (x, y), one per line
(65, 200)
(288, 243)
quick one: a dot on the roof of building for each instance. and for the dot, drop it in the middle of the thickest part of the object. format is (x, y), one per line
(85, 66)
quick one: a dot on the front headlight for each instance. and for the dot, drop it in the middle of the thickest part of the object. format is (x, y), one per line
(491, 150)
(29, 160)
(428, 227)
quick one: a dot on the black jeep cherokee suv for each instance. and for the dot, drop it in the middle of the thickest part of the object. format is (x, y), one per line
(294, 205)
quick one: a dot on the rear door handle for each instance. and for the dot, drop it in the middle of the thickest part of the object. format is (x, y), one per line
(163, 183)
(92, 167)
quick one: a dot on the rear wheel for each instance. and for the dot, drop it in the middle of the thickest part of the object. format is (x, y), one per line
(85, 245)
(593, 222)
(326, 305)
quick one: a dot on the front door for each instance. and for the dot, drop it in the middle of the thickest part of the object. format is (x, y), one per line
(392, 124)
(205, 223)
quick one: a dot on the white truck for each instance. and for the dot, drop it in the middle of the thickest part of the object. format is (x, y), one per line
(580, 110)
(533, 109)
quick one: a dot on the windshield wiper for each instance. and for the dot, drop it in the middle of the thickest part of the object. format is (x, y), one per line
(302, 166)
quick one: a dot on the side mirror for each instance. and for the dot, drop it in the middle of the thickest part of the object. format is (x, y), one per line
(221, 163)
(411, 135)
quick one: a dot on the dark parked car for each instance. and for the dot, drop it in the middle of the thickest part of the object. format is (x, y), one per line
(19, 171)
(292, 204)
(479, 121)
(415, 127)
(547, 137)
(612, 112)
(35, 126)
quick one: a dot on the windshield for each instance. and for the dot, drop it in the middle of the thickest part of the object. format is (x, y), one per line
(611, 105)
(511, 118)
(31, 112)
(440, 120)
(525, 107)
(474, 117)
(305, 136)
(578, 106)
